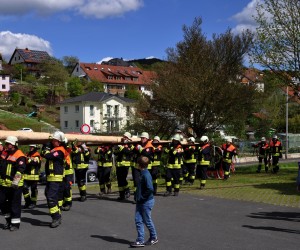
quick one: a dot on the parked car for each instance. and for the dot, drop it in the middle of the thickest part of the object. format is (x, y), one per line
(25, 129)
(91, 173)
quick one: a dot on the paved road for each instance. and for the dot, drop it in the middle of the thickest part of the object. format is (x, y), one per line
(184, 222)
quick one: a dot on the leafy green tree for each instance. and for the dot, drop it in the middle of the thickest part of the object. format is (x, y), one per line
(198, 86)
(132, 93)
(277, 41)
(75, 87)
(40, 93)
(94, 86)
(69, 62)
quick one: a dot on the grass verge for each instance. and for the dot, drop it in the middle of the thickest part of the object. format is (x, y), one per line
(246, 185)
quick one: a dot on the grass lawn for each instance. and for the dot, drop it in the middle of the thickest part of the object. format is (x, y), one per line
(245, 184)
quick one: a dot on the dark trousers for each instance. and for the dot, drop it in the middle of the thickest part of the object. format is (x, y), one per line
(190, 172)
(80, 175)
(201, 173)
(173, 179)
(260, 160)
(154, 171)
(226, 168)
(32, 185)
(122, 173)
(104, 177)
(10, 203)
(54, 193)
(67, 193)
(275, 164)
(136, 173)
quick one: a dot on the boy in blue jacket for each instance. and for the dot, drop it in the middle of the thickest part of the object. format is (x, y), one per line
(144, 203)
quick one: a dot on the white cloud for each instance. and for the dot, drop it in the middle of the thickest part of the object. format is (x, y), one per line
(245, 18)
(88, 8)
(9, 41)
(105, 59)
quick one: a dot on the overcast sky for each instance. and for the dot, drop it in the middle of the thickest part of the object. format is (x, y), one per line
(96, 29)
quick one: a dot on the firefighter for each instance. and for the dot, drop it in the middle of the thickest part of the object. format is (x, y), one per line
(262, 154)
(143, 148)
(275, 153)
(68, 179)
(189, 161)
(123, 155)
(13, 164)
(204, 159)
(105, 163)
(174, 154)
(229, 151)
(157, 157)
(80, 156)
(55, 155)
(31, 176)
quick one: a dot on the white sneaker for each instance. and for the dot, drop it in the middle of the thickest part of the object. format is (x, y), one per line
(152, 242)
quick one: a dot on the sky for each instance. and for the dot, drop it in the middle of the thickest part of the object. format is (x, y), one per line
(95, 30)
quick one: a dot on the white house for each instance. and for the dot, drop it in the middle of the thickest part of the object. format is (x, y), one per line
(103, 112)
(4, 83)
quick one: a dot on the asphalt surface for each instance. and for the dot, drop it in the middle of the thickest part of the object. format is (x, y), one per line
(183, 222)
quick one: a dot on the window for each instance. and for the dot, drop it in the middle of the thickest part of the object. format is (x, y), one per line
(108, 110)
(76, 108)
(127, 110)
(66, 124)
(92, 122)
(3, 77)
(116, 111)
(66, 109)
(92, 113)
(110, 77)
(3, 86)
(77, 124)
(127, 78)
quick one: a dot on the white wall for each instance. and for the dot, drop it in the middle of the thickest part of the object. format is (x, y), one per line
(4, 83)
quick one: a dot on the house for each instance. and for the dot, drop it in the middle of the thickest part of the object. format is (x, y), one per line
(30, 59)
(115, 78)
(253, 77)
(4, 84)
(103, 112)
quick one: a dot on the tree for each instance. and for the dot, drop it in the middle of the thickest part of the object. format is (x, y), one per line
(94, 86)
(69, 62)
(277, 41)
(75, 87)
(198, 86)
(132, 93)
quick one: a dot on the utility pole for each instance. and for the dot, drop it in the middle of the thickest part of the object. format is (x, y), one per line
(287, 123)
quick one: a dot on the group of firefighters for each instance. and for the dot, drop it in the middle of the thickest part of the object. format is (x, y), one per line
(184, 162)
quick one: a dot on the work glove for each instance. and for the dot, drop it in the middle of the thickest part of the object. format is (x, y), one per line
(16, 180)
(84, 147)
(139, 148)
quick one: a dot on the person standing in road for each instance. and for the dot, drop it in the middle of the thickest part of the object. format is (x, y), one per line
(105, 163)
(80, 157)
(31, 176)
(13, 164)
(262, 154)
(276, 153)
(123, 154)
(189, 161)
(157, 157)
(144, 204)
(54, 168)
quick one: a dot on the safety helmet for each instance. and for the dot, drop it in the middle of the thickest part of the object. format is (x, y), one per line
(127, 134)
(156, 138)
(12, 140)
(192, 139)
(145, 135)
(58, 135)
(204, 138)
(229, 140)
(263, 139)
(0, 143)
(176, 137)
(178, 130)
(275, 137)
(33, 145)
(66, 140)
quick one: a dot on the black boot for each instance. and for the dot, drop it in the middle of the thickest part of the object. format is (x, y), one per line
(55, 222)
(108, 188)
(8, 224)
(14, 227)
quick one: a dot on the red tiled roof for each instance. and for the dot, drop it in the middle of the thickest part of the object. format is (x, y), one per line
(251, 76)
(101, 72)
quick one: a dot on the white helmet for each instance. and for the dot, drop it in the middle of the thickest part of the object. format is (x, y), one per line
(275, 137)
(204, 138)
(263, 139)
(229, 140)
(145, 135)
(33, 145)
(127, 134)
(12, 140)
(156, 138)
(192, 139)
(58, 135)
(176, 137)
(66, 140)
